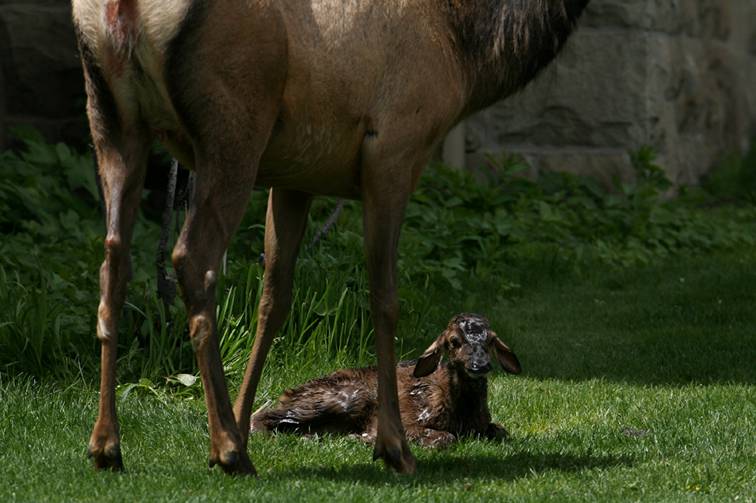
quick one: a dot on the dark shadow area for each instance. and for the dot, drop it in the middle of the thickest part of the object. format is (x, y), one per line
(448, 468)
(657, 359)
(686, 322)
(692, 320)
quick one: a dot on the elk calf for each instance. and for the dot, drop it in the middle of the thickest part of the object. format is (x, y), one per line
(438, 403)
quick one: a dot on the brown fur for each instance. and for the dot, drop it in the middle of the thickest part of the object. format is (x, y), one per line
(436, 408)
(336, 97)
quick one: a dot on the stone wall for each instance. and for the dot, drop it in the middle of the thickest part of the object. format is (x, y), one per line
(679, 75)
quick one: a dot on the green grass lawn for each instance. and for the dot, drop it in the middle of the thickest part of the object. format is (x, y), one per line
(638, 384)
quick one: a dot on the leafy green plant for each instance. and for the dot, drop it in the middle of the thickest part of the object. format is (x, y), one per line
(734, 180)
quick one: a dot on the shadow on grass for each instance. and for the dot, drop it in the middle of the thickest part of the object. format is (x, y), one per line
(657, 359)
(444, 469)
(676, 323)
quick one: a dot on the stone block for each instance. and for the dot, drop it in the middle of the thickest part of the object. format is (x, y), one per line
(679, 76)
(43, 79)
(45, 76)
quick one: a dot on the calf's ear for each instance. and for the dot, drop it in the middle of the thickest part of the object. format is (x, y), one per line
(429, 360)
(506, 358)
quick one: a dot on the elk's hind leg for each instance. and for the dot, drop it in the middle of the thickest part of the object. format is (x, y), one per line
(228, 106)
(121, 146)
(226, 166)
(222, 189)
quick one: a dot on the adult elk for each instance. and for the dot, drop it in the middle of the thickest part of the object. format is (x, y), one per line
(346, 98)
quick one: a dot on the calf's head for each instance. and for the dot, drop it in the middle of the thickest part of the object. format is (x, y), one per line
(469, 344)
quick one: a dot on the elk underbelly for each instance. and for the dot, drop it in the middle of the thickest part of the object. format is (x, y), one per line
(322, 159)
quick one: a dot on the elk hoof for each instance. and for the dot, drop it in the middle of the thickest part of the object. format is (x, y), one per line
(233, 462)
(395, 454)
(106, 457)
(105, 447)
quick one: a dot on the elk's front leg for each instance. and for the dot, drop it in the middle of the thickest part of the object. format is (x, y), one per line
(385, 197)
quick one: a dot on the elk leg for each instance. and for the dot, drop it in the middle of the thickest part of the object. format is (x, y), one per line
(384, 200)
(284, 227)
(220, 198)
(122, 167)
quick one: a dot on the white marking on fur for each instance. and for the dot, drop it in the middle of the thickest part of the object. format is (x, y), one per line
(88, 16)
(161, 20)
(474, 330)
(102, 331)
(158, 21)
(424, 415)
(343, 400)
(211, 278)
